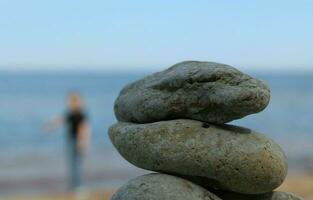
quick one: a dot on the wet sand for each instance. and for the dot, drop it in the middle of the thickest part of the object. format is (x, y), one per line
(301, 185)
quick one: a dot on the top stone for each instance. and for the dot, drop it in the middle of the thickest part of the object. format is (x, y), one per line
(204, 91)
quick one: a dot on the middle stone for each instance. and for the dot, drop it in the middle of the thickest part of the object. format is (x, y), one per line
(229, 157)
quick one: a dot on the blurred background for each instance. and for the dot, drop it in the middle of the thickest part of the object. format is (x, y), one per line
(48, 48)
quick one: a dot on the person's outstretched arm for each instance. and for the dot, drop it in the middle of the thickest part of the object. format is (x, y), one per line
(53, 124)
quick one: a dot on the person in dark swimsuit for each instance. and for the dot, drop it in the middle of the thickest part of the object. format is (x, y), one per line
(78, 134)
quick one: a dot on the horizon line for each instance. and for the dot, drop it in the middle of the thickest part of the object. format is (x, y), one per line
(138, 70)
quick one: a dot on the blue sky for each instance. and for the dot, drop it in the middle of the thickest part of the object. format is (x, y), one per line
(130, 35)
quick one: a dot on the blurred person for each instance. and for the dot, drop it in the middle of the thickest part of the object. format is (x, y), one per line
(78, 136)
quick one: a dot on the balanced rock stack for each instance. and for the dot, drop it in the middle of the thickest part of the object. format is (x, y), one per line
(173, 122)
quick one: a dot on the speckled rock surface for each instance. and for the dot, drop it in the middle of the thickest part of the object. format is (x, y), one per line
(162, 187)
(284, 196)
(267, 196)
(203, 91)
(237, 158)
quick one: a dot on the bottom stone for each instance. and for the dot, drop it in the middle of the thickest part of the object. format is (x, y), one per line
(162, 187)
(267, 196)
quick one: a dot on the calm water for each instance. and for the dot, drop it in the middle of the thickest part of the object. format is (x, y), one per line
(31, 160)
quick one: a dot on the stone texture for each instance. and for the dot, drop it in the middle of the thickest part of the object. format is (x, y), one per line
(284, 196)
(235, 158)
(203, 91)
(162, 187)
(268, 196)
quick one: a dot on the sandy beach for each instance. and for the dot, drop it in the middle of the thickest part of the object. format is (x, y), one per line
(95, 195)
(301, 185)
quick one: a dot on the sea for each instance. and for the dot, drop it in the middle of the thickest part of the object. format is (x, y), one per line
(32, 161)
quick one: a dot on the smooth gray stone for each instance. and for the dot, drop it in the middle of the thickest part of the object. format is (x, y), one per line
(268, 196)
(162, 187)
(203, 91)
(236, 158)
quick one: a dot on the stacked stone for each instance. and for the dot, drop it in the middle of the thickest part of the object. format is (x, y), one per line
(173, 122)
